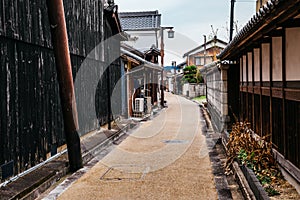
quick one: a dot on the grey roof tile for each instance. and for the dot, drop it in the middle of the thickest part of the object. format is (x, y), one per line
(263, 12)
(140, 20)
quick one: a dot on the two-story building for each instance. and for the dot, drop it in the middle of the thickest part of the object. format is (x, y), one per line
(205, 53)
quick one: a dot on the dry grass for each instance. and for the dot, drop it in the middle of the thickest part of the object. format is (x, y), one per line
(256, 153)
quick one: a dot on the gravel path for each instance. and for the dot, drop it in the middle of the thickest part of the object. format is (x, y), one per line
(165, 158)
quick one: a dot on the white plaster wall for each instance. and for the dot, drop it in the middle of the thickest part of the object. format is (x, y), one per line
(277, 58)
(145, 39)
(265, 62)
(241, 69)
(185, 88)
(244, 69)
(249, 55)
(293, 54)
(256, 65)
(170, 82)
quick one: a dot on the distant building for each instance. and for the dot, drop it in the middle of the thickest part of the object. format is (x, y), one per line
(205, 53)
(141, 82)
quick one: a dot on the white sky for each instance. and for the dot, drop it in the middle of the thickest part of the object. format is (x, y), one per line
(193, 18)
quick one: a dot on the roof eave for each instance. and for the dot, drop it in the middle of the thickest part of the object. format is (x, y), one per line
(262, 22)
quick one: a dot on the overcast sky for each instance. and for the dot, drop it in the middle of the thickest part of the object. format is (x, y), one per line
(193, 18)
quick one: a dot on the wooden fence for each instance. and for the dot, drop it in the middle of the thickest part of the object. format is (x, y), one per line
(31, 124)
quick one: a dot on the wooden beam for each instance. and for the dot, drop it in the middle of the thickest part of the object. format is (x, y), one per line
(260, 91)
(270, 90)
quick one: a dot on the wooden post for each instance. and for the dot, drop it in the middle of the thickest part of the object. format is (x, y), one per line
(284, 128)
(65, 79)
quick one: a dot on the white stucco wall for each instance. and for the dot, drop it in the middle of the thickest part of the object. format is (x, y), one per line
(244, 69)
(293, 54)
(241, 69)
(265, 62)
(277, 58)
(256, 64)
(145, 39)
(249, 55)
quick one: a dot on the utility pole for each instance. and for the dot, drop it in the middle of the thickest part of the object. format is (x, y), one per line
(204, 49)
(59, 35)
(231, 19)
(174, 87)
(162, 54)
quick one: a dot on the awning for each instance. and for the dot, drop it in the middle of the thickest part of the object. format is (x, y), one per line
(145, 63)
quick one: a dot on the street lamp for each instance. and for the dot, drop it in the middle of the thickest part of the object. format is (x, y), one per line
(171, 33)
(162, 54)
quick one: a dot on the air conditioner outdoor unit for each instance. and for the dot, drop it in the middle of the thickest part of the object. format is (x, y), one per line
(139, 104)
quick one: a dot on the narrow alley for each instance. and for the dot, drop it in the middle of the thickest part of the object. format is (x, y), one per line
(105, 99)
(165, 158)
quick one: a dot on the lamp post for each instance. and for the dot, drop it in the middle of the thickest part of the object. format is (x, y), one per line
(162, 54)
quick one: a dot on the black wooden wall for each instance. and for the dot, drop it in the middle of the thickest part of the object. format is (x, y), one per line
(31, 123)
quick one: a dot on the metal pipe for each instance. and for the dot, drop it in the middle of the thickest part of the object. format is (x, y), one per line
(59, 35)
(109, 115)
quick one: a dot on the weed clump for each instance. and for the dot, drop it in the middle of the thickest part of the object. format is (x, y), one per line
(256, 154)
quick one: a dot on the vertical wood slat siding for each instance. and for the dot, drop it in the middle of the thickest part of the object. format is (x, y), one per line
(293, 130)
(277, 113)
(277, 134)
(31, 123)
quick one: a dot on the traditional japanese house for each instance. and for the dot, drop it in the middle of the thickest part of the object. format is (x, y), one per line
(259, 75)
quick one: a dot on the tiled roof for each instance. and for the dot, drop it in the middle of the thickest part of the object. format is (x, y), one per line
(140, 20)
(257, 22)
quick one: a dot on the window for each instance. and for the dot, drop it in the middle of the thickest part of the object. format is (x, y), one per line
(197, 60)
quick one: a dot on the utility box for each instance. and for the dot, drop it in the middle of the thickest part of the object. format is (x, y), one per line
(139, 105)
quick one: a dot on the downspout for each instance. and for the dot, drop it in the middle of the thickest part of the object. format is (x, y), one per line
(102, 31)
(59, 35)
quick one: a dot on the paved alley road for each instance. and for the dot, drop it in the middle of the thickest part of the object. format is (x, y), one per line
(165, 158)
